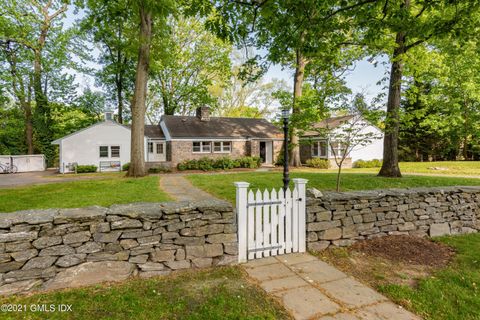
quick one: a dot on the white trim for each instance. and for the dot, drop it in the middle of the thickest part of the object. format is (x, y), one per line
(222, 147)
(89, 127)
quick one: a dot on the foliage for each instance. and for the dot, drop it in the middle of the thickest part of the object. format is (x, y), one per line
(12, 132)
(318, 163)
(221, 185)
(126, 166)
(103, 190)
(216, 293)
(441, 111)
(183, 76)
(109, 24)
(374, 163)
(224, 163)
(86, 168)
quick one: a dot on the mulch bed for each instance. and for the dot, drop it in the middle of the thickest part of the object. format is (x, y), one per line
(407, 249)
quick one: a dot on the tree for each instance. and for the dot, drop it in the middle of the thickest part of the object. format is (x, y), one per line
(353, 134)
(110, 26)
(30, 24)
(396, 28)
(19, 80)
(150, 14)
(293, 33)
(441, 109)
(196, 62)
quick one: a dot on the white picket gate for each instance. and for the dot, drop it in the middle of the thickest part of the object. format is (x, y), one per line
(270, 223)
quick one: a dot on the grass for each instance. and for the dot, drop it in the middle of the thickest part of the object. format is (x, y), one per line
(222, 186)
(220, 293)
(82, 193)
(462, 168)
(450, 293)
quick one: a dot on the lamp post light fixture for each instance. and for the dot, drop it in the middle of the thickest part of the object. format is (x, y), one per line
(286, 178)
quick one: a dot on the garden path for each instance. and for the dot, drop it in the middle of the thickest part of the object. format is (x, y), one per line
(312, 289)
(180, 189)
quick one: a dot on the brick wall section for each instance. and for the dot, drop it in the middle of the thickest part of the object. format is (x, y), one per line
(183, 150)
(179, 151)
(339, 219)
(38, 248)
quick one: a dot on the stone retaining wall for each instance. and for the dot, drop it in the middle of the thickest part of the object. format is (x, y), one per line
(58, 248)
(339, 219)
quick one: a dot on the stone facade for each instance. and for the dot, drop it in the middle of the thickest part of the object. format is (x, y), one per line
(178, 151)
(339, 219)
(56, 248)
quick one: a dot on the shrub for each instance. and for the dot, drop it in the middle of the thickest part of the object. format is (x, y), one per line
(126, 166)
(86, 168)
(249, 162)
(224, 163)
(374, 163)
(318, 163)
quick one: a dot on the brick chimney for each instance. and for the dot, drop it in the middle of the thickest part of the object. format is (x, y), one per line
(203, 113)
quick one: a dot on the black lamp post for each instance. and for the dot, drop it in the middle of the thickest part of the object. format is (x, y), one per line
(286, 178)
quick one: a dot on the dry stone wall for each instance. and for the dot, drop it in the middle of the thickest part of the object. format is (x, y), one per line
(340, 219)
(58, 248)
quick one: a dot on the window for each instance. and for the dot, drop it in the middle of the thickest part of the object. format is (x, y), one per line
(115, 151)
(159, 148)
(150, 147)
(103, 151)
(202, 146)
(319, 149)
(222, 146)
(338, 148)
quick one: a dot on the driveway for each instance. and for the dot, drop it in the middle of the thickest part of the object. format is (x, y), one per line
(31, 178)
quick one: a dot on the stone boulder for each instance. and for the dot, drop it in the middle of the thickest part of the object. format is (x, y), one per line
(91, 273)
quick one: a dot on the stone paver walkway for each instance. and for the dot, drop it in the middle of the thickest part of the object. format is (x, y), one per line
(311, 289)
(180, 189)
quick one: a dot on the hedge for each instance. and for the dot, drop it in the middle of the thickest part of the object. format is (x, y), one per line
(224, 163)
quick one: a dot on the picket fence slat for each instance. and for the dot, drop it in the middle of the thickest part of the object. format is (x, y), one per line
(251, 226)
(266, 223)
(270, 223)
(274, 223)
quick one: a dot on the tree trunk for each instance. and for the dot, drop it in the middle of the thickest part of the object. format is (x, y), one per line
(120, 100)
(137, 163)
(297, 93)
(339, 172)
(390, 166)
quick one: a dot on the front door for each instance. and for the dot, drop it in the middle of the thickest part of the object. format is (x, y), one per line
(156, 151)
(263, 151)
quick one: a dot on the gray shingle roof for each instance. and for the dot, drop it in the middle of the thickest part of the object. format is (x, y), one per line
(220, 127)
(330, 123)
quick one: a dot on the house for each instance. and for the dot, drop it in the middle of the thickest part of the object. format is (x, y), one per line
(175, 139)
(314, 144)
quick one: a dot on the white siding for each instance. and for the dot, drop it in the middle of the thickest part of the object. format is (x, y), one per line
(371, 151)
(83, 146)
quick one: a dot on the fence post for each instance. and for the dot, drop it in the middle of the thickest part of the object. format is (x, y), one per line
(302, 214)
(241, 207)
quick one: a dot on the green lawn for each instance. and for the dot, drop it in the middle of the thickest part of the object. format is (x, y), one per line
(222, 186)
(82, 193)
(220, 293)
(450, 293)
(452, 168)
